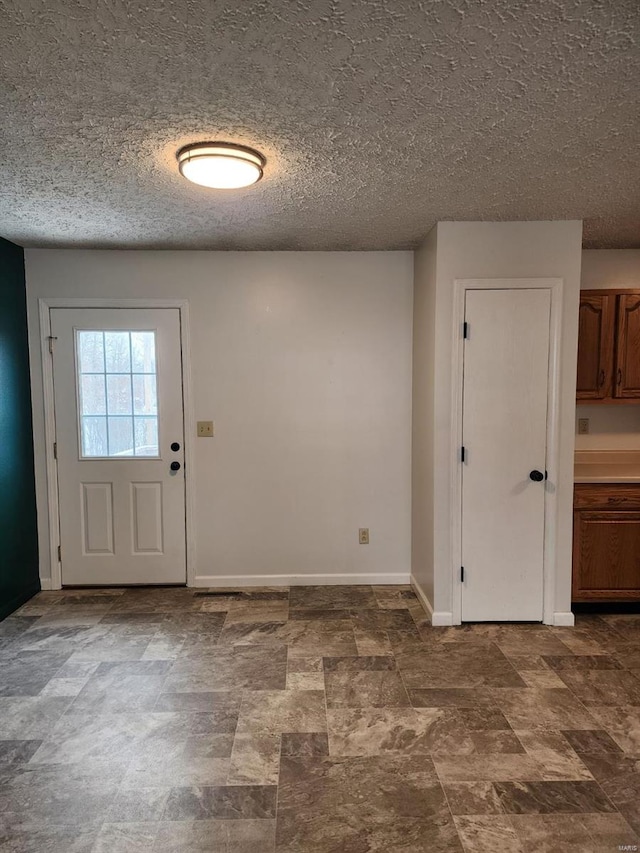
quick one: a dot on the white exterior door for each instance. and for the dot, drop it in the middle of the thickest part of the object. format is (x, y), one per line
(506, 369)
(119, 430)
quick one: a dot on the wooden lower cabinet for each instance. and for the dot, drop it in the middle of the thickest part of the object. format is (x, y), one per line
(606, 542)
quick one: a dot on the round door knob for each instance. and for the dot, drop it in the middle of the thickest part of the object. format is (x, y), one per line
(536, 476)
(175, 446)
(175, 466)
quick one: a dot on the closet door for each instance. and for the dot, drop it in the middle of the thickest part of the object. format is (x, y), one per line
(505, 405)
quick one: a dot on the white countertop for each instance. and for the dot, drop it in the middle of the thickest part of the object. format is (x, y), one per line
(607, 466)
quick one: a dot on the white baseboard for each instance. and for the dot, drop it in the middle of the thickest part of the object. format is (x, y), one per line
(564, 619)
(439, 618)
(214, 581)
(442, 618)
(422, 598)
(45, 583)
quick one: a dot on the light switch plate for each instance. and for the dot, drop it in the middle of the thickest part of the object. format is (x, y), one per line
(205, 429)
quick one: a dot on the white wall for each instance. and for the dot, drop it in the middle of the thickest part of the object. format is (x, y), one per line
(423, 431)
(610, 268)
(303, 360)
(502, 250)
(610, 427)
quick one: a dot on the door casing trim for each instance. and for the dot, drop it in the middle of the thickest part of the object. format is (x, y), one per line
(556, 287)
(53, 504)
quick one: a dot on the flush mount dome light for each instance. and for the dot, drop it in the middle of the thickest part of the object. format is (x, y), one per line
(220, 165)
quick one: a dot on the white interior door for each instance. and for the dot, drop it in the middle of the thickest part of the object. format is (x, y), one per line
(119, 430)
(506, 369)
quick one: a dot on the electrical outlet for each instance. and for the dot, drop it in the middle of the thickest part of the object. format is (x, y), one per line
(205, 429)
(363, 535)
(583, 426)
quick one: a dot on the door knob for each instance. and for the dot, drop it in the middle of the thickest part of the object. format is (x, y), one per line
(175, 466)
(175, 446)
(536, 476)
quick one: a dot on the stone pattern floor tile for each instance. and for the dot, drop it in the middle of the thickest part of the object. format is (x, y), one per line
(305, 680)
(216, 836)
(570, 833)
(473, 798)
(487, 834)
(311, 720)
(552, 797)
(255, 759)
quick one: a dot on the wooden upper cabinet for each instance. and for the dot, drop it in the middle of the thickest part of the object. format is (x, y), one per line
(627, 378)
(609, 346)
(595, 345)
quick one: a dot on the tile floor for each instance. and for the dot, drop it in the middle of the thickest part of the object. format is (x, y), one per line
(312, 720)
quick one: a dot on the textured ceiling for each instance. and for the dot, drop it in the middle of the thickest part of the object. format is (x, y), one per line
(377, 118)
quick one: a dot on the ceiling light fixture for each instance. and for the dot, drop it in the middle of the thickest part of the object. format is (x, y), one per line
(220, 165)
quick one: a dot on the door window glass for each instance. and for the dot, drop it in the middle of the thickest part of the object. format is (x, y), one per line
(118, 397)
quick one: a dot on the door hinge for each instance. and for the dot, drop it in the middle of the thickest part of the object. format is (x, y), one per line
(463, 454)
(461, 574)
(51, 339)
(55, 449)
(465, 329)
(59, 553)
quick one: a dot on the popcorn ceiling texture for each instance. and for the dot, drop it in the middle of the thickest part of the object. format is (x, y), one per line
(377, 118)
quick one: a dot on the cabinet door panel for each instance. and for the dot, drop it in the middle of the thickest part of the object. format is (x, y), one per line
(606, 555)
(595, 346)
(627, 383)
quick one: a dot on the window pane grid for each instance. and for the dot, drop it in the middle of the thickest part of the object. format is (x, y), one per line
(117, 387)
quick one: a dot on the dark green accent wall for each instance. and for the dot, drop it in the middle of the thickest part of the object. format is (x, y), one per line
(18, 531)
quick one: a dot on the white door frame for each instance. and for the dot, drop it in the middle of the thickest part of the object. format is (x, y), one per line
(461, 286)
(53, 505)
